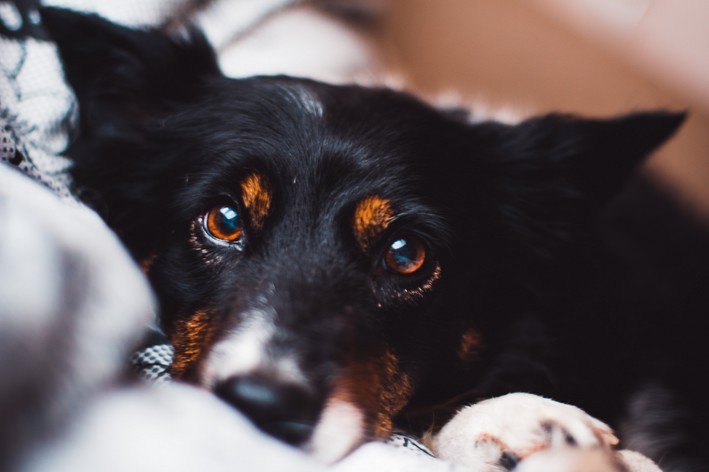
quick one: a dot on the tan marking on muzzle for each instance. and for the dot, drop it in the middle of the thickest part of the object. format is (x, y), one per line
(394, 392)
(191, 339)
(379, 388)
(372, 216)
(256, 195)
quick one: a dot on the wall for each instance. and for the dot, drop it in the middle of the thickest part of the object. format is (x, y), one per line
(532, 55)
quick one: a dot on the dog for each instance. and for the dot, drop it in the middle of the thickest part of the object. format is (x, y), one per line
(343, 261)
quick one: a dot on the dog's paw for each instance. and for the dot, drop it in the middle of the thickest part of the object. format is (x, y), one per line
(496, 434)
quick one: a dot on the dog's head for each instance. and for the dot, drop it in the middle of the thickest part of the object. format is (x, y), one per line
(327, 256)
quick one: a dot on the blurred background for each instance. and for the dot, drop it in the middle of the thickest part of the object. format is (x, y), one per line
(596, 57)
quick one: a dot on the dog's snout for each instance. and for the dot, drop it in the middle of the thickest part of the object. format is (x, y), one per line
(283, 410)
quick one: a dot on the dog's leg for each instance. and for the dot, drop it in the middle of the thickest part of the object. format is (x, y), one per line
(529, 433)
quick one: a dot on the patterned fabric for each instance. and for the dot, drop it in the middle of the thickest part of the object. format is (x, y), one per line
(153, 362)
(37, 108)
(8, 150)
(409, 444)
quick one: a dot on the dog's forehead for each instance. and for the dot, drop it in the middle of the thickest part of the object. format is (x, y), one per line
(305, 132)
(310, 115)
(319, 152)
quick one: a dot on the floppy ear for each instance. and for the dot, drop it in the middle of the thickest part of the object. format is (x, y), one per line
(128, 82)
(123, 77)
(550, 175)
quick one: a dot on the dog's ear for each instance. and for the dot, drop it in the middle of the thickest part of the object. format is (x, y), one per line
(127, 82)
(547, 177)
(122, 76)
(567, 155)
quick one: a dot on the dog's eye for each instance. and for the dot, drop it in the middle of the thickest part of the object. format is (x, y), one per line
(405, 255)
(223, 222)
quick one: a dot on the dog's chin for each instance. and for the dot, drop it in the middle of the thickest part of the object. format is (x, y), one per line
(340, 430)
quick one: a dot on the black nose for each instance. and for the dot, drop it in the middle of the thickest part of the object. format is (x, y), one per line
(283, 410)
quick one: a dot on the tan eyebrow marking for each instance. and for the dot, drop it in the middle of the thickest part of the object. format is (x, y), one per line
(372, 216)
(256, 195)
(377, 387)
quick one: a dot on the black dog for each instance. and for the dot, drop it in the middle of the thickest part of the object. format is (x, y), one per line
(338, 257)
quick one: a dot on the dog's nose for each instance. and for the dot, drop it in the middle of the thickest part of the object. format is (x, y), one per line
(283, 410)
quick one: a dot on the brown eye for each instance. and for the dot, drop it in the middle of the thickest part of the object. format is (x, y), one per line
(223, 222)
(405, 255)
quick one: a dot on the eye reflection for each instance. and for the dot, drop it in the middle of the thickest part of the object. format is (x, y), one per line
(224, 223)
(405, 255)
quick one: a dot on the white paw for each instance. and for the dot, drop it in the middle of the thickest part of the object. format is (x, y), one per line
(496, 434)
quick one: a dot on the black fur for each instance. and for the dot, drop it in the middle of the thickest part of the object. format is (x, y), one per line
(508, 212)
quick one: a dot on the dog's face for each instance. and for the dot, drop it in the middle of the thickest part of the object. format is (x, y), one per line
(327, 257)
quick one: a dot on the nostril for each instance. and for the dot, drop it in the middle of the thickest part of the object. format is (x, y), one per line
(283, 410)
(250, 394)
